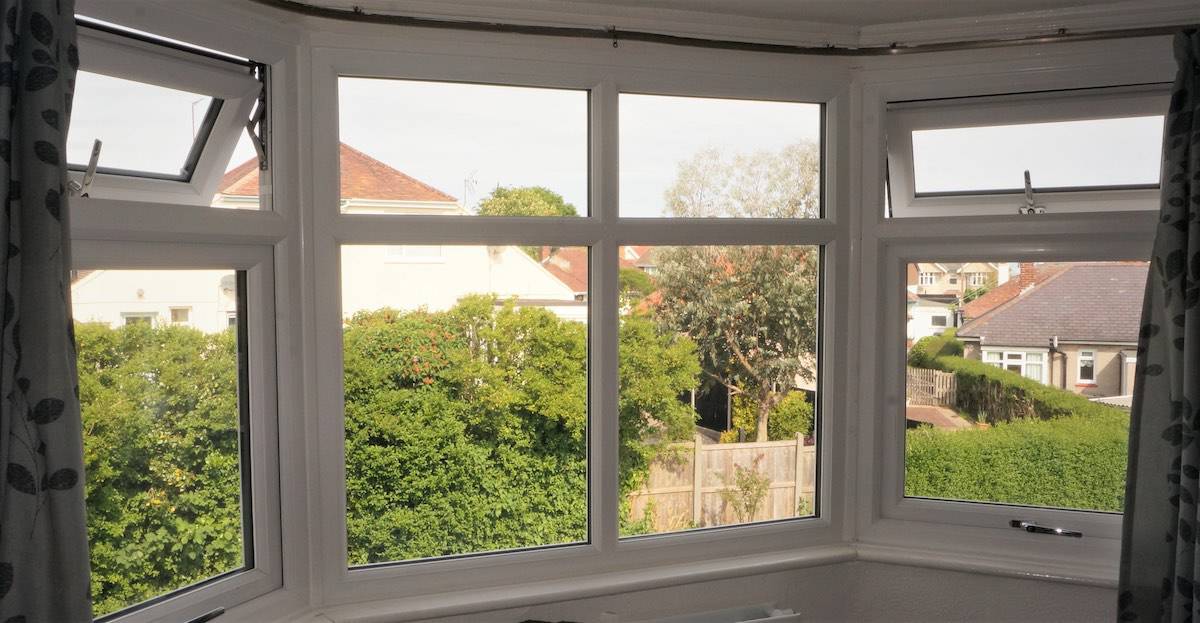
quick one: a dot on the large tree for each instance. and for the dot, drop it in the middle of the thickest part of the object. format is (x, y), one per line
(751, 310)
(525, 201)
(762, 184)
(752, 313)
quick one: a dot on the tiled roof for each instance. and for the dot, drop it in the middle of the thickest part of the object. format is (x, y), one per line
(570, 264)
(363, 177)
(1004, 292)
(1089, 302)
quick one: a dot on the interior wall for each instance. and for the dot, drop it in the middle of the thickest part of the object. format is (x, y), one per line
(855, 591)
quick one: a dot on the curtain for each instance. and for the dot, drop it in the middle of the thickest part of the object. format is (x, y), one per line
(1160, 577)
(43, 528)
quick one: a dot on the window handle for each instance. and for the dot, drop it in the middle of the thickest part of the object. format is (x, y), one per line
(1029, 526)
(1030, 206)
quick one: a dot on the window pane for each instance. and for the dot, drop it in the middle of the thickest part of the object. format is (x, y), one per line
(162, 427)
(241, 186)
(144, 127)
(718, 386)
(707, 157)
(466, 400)
(1063, 154)
(411, 147)
(1027, 433)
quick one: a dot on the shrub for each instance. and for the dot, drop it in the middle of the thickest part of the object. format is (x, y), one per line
(927, 349)
(1076, 461)
(793, 414)
(997, 395)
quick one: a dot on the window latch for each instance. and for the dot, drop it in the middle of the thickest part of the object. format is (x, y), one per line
(1029, 526)
(1030, 206)
(81, 188)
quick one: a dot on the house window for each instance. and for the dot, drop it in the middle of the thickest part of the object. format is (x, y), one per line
(977, 279)
(1087, 366)
(937, 321)
(926, 279)
(970, 156)
(953, 281)
(180, 315)
(144, 318)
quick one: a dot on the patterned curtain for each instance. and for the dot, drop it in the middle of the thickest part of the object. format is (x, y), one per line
(43, 527)
(1160, 577)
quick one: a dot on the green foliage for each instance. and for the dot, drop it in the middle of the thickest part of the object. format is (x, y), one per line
(793, 414)
(634, 285)
(997, 395)
(928, 348)
(160, 420)
(752, 312)
(1076, 461)
(466, 429)
(525, 201)
(747, 492)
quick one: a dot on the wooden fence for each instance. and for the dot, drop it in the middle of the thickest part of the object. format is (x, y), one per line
(930, 387)
(674, 502)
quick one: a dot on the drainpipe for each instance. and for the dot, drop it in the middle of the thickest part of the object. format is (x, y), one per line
(1062, 380)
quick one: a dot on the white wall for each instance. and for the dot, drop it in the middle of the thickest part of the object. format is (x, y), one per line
(372, 278)
(920, 315)
(107, 295)
(854, 591)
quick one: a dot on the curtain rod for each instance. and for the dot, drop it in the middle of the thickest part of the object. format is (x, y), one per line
(612, 33)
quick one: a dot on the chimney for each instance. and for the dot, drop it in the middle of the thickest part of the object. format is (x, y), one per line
(1025, 277)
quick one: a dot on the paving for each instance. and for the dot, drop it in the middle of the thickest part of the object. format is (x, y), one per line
(939, 417)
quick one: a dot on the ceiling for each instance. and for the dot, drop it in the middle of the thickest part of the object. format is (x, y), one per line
(845, 12)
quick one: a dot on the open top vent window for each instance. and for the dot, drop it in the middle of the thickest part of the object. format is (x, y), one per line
(1079, 151)
(158, 120)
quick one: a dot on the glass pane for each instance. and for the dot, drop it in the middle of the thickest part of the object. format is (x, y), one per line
(1026, 433)
(707, 157)
(466, 400)
(1062, 154)
(718, 386)
(411, 147)
(144, 127)
(162, 422)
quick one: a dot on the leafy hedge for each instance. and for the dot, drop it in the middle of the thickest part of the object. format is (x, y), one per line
(1075, 461)
(929, 348)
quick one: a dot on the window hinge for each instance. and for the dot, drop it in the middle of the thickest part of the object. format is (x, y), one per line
(1030, 207)
(256, 124)
(1029, 526)
(81, 188)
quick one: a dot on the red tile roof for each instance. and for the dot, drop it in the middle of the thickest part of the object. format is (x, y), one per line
(363, 177)
(570, 264)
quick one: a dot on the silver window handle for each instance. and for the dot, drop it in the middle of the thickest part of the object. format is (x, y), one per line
(1029, 526)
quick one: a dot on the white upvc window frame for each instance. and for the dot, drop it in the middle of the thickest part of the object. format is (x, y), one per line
(426, 588)
(1088, 356)
(145, 229)
(1006, 358)
(903, 118)
(965, 535)
(926, 279)
(123, 57)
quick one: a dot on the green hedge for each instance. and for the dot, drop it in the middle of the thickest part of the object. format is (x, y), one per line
(1076, 461)
(929, 348)
(995, 395)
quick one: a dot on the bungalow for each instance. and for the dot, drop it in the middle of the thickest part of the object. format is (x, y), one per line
(1074, 327)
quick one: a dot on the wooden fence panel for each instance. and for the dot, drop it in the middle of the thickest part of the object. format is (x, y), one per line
(930, 387)
(672, 501)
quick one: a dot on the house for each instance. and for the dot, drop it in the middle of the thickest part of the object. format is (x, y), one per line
(1074, 328)
(929, 315)
(943, 278)
(1028, 275)
(404, 277)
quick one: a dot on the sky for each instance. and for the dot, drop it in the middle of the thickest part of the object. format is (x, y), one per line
(467, 139)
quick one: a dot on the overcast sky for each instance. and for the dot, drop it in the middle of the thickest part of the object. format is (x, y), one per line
(468, 139)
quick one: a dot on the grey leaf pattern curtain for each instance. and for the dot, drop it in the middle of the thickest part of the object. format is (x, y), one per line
(43, 528)
(1160, 568)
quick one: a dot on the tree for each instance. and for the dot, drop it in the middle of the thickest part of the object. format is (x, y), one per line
(633, 285)
(526, 201)
(763, 184)
(752, 313)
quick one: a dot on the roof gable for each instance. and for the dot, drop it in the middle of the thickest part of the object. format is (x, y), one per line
(362, 177)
